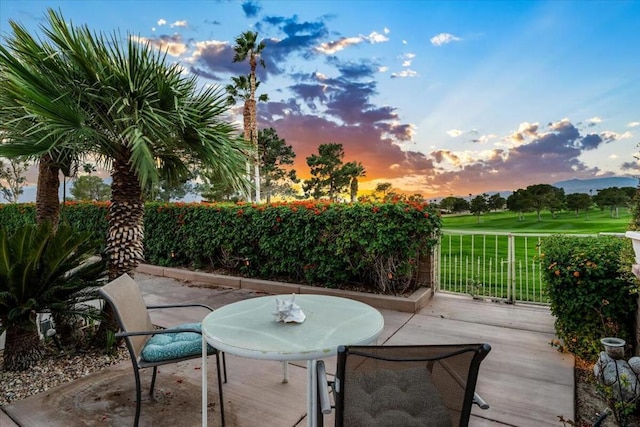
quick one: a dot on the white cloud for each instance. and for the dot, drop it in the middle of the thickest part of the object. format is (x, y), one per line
(443, 38)
(404, 42)
(162, 22)
(210, 45)
(404, 73)
(633, 124)
(386, 30)
(344, 42)
(454, 132)
(594, 120)
(173, 46)
(375, 37)
(383, 69)
(182, 23)
(336, 46)
(407, 58)
(608, 135)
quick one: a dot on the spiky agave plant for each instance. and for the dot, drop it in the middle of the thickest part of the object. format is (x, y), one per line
(41, 270)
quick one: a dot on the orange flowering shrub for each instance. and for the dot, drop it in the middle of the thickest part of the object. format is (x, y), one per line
(590, 294)
(313, 242)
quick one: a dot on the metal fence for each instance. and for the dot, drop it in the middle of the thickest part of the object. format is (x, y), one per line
(501, 266)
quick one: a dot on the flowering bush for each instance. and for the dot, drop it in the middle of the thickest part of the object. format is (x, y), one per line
(590, 291)
(328, 244)
(311, 242)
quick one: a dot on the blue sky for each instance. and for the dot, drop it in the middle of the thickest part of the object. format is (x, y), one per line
(439, 98)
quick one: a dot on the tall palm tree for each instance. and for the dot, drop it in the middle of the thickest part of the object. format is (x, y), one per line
(241, 89)
(355, 170)
(142, 117)
(247, 47)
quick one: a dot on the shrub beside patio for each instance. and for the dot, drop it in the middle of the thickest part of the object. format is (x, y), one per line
(590, 288)
(375, 245)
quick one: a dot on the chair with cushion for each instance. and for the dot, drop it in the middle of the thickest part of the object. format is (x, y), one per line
(149, 347)
(393, 386)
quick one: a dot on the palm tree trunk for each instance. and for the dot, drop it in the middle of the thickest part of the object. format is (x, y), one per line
(246, 117)
(23, 348)
(125, 236)
(126, 213)
(254, 123)
(254, 143)
(47, 202)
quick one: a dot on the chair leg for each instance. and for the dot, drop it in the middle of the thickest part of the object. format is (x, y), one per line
(224, 367)
(220, 385)
(153, 381)
(138, 395)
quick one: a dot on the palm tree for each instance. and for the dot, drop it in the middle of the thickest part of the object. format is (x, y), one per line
(241, 89)
(355, 170)
(141, 116)
(247, 47)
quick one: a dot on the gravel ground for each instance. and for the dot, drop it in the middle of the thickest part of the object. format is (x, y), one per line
(54, 369)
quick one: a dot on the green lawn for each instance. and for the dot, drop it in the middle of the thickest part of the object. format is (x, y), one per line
(565, 222)
(476, 261)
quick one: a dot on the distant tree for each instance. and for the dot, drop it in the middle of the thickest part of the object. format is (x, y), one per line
(417, 197)
(328, 175)
(479, 205)
(454, 204)
(578, 202)
(381, 190)
(556, 201)
(544, 196)
(165, 191)
(90, 188)
(247, 47)
(241, 90)
(212, 187)
(518, 202)
(275, 154)
(631, 194)
(612, 198)
(12, 178)
(354, 170)
(496, 202)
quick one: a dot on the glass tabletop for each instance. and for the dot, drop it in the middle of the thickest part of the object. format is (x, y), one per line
(248, 328)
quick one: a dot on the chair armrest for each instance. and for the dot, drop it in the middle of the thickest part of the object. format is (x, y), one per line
(155, 307)
(323, 389)
(154, 332)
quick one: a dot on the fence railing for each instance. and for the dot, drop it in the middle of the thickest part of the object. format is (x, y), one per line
(497, 265)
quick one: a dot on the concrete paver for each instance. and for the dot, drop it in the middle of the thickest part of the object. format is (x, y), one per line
(525, 380)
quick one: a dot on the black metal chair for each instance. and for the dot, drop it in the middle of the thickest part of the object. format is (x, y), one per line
(403, 386)
(149, 347)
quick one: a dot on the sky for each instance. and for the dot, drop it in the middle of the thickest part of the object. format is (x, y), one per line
(435, 97)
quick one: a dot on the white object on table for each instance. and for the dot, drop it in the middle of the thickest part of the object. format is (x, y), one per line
(247, 328)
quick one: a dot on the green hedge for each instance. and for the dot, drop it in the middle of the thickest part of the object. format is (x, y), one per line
(330, 244)
(590, 291)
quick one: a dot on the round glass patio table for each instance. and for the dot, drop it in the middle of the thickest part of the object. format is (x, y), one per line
(248, 328)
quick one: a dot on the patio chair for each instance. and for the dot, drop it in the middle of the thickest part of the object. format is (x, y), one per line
(403, 386)
(149, 347)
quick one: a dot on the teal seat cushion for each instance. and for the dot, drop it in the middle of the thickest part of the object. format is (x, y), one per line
(175, 345)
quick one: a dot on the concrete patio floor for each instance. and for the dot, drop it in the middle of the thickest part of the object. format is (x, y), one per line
(525, 380)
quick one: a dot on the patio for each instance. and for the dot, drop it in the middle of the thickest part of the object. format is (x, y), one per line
(525, 380)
